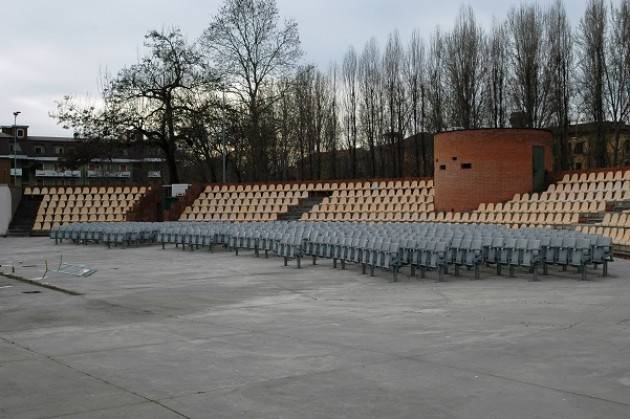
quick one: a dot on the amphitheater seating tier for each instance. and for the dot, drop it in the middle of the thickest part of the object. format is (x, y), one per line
(589, 202)
(63, 205)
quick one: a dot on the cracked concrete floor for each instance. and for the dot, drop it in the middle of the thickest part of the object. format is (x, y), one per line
(170, 334)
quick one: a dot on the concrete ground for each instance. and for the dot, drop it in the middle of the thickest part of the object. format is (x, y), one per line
(170, 334)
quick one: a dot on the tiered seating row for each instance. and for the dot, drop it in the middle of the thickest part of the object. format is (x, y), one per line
(323, 186)
(619, 235)
(254, 202)
(606, 176)
(392, 201)
(84, 190)
(84, 204)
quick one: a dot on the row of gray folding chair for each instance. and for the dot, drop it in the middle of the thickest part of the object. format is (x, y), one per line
(119, 233)
(428, 246)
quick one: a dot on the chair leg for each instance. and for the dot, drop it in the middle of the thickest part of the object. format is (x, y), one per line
(476, 271)
(314, 260)
(299, 262)
(371, 270)
(412, 273)
(363, 268)
(605, 269)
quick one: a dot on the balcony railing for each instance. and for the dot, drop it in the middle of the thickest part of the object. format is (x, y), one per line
(154, 174)
(119, 174)
(57, 173)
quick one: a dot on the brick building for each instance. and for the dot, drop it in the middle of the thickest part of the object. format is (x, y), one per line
(40, 161)
(489, 165)
(581, 140)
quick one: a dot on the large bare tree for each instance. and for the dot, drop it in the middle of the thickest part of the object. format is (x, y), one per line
(529, 80)
(592, 75)
(497, 76)
(617, 74)
(559, 69)
(435, 74)
(350, 102)
(415, 84)
(465, 52)
(394, 99)
(370, 86)
(251, 46)
(153, 101)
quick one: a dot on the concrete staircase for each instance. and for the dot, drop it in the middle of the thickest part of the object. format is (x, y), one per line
(304, 205)
(24, 217)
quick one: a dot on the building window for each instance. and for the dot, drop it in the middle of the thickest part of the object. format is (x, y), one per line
(20, 133)
(124, 168)
(578, 148)
(578, 166)
(454, 158)
(466, 165)
(39, 149)
(59, 150)
(443, 167)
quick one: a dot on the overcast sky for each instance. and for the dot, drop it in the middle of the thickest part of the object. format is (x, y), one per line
(54, 48)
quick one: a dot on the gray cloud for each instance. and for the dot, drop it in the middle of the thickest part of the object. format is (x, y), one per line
(51, 49)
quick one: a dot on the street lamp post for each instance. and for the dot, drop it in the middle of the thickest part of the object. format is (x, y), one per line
(15, 136)
(223, 145)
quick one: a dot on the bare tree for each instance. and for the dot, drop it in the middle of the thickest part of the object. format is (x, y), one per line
(592, 77)
(497, 76)
(530, 91)
(155, 99)
(370, 81)
(435, 92)
(560, 63)
(465, 48)
(250, 46)
(394, 97)
(331, 134)
(350, 102)
(415, 81)
(617, 73)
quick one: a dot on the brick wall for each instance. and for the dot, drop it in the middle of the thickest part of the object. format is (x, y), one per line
(487, 165)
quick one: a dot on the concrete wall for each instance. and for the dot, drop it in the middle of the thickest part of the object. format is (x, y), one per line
(486, 165)
(6, 209)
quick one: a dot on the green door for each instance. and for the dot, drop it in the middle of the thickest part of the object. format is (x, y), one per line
(539, 168)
